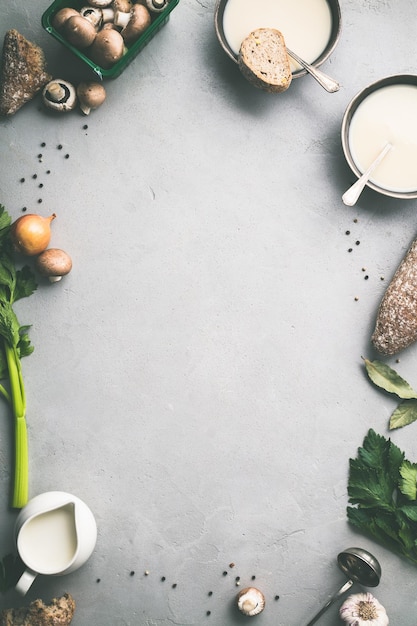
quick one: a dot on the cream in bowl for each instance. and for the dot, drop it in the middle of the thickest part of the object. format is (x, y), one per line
(384, 112)
(310, 27)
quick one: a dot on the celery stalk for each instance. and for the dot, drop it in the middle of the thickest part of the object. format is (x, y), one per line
(15, 283)
(21, 454)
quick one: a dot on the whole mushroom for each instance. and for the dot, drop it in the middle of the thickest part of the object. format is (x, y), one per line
(93, 14)
(155, 6)
(90, 96)
(250, 601)
(133, 23)
(59, 95)
(54, 264)
(108, 48)
(62, 16)
(79, 31)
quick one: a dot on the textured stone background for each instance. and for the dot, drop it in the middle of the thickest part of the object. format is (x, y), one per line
(197, 378)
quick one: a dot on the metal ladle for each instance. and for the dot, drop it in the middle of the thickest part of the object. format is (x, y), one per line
(361, 567)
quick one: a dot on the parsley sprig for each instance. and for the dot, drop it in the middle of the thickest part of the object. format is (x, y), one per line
(14, 284)
(383, 486)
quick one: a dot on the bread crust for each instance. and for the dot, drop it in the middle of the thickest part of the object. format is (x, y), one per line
(396, 323)
(23, 72)
(58, 613)
(264, 61)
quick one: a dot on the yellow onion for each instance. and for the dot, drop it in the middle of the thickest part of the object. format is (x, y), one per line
(31, 233)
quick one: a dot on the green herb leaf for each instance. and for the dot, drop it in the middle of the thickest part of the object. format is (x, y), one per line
(404, 414)
(409, 511)
(374, 474)
(408, 481)
(385, 377)
(383, 486)
(25, 283)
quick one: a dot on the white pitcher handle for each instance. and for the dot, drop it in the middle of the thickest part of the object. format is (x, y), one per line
(25, 581)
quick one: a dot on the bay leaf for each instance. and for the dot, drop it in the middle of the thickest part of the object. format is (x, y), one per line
(405, 413)
(385, 377)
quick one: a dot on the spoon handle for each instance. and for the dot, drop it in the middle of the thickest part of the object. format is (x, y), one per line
(351, 196)
(323, 79)
(339, 593)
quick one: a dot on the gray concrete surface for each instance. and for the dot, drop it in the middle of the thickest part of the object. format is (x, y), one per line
(197, 379)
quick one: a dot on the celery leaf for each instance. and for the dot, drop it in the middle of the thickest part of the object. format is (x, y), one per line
(382, 486)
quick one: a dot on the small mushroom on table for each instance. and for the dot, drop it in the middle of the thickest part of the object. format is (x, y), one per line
(54, 264)
(250, 601)
(59, 95)
(90, 96)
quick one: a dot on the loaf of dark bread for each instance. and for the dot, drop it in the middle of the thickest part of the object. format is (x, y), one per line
(396, 323)
(264, 61)
(22, 74)
(58, 613)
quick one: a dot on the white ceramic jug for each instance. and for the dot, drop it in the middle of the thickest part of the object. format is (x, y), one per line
(55, 534)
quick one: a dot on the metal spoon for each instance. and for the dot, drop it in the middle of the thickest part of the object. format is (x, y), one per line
(351, 196)
(325, 81)
(361, 567)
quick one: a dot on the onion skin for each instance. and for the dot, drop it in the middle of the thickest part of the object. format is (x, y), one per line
(31, 233)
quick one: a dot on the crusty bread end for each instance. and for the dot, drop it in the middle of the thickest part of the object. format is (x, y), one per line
(264, 61)
(22, 74)
(59, 612)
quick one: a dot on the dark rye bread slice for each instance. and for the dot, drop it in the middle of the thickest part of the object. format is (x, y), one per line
(58, 613)
(396, 323)
(23, 72)
(264, 61)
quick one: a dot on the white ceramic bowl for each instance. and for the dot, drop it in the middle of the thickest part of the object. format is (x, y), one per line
(334, 7)
(347, 135)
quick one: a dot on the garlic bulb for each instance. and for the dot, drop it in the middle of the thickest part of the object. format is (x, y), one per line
(362, 609)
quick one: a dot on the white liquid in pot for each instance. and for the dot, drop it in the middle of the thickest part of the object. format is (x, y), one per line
(387, 115)
(48, 542)
(305, 24)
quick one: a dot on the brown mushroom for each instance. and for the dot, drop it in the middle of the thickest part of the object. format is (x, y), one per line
(59, 95)
(133, 23)
(108, 48)
(93, 14)
(62, 16)
(79, 31)
(110, 26)
(54, 264)
(90, 96)
(122, 5)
